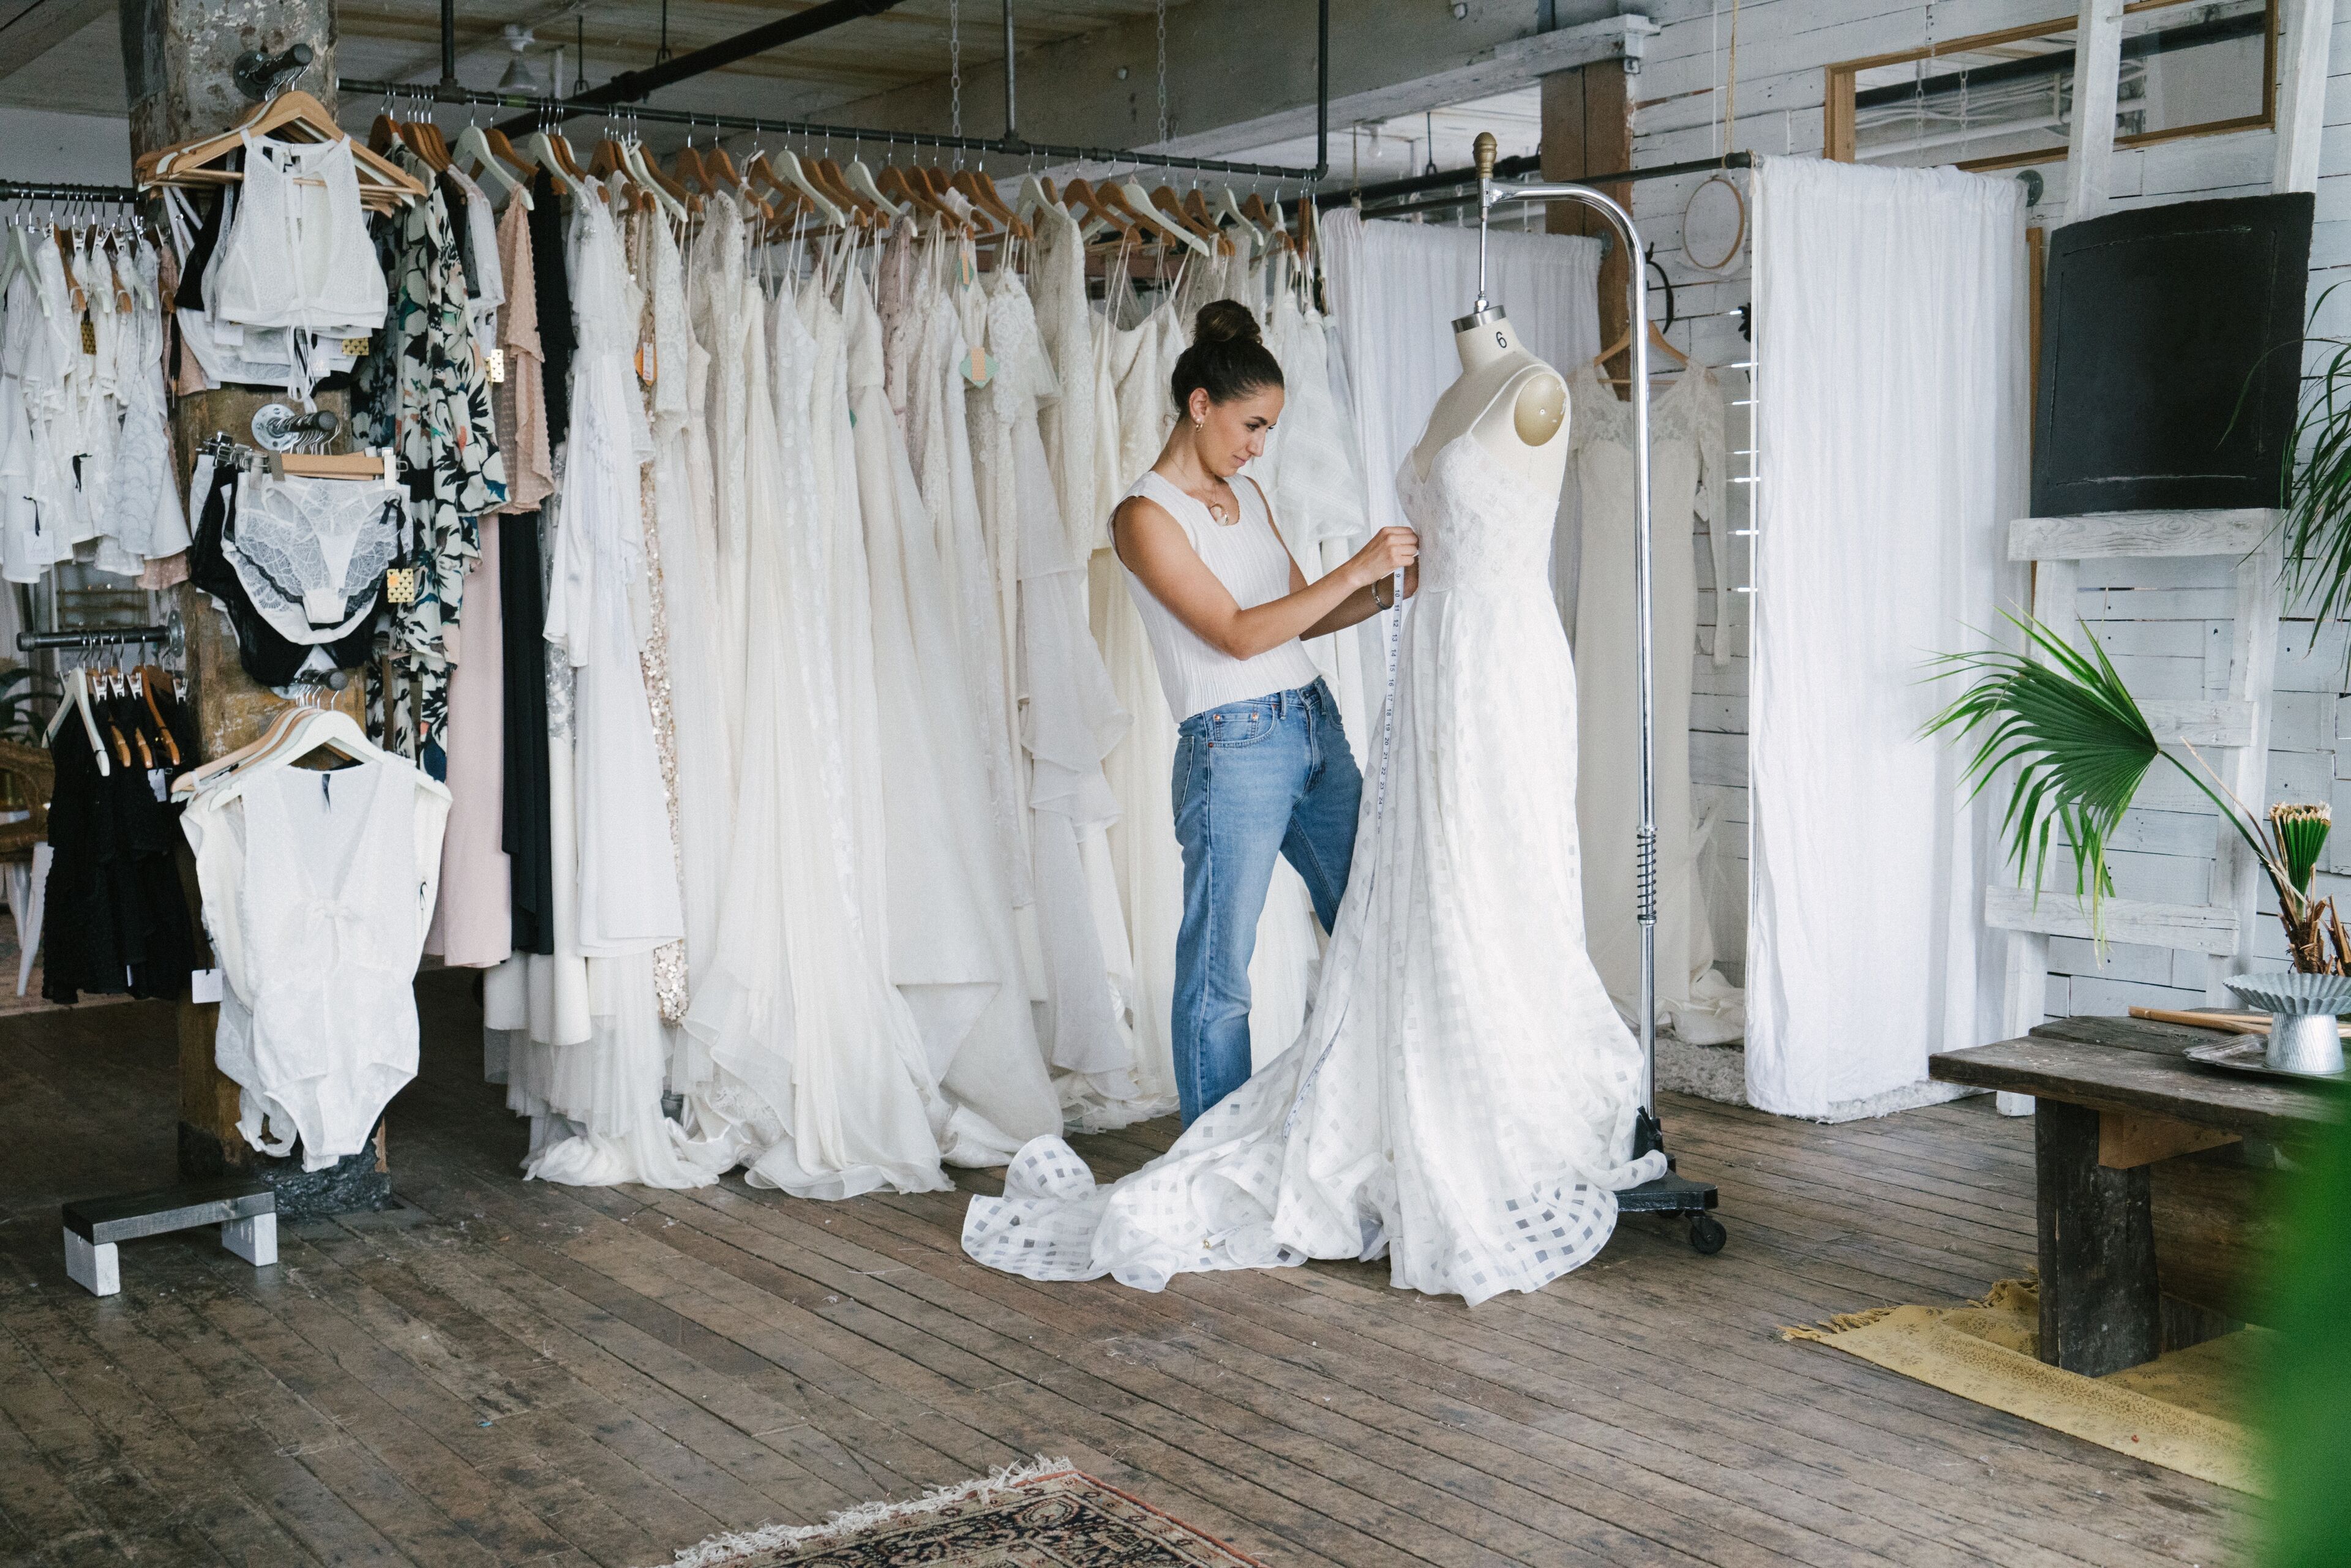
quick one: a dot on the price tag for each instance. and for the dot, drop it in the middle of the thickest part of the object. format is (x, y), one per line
(88, 336)
(400, 584)
(356, 348)
(204, 985)
(497, 366)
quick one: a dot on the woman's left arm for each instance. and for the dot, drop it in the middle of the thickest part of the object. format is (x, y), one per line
(1358, 606)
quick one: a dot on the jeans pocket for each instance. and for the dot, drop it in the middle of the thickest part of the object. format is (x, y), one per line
(1241, 725)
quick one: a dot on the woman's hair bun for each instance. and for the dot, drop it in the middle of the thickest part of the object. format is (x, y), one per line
(1227, 358)
(1226, 322)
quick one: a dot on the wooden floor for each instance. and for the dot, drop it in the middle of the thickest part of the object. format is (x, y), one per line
(508, 1372)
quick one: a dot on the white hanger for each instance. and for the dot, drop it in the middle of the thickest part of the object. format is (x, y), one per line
(1228, 206)
(633, 158)
(77, 700)
(789, 168)
(860, 179)
(542, 152)
(313, 729)
(472, 143)
(1148, 211)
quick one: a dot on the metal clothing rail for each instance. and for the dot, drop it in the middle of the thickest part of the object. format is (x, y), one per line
(1509, 168)
(558, 107)
(55, 191)
(91, 637)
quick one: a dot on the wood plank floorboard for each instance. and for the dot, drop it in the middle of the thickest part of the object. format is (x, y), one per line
(500, 1372)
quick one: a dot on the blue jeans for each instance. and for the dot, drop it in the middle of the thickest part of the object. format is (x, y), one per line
(1253, 779)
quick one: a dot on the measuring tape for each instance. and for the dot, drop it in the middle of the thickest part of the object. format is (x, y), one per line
(1379, 814)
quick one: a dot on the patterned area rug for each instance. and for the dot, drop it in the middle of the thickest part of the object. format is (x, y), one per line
(1044, 1515)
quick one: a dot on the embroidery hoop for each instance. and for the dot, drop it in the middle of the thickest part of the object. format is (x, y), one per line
(1738, 229)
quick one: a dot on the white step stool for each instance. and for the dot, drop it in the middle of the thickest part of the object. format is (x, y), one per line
(247, 1212)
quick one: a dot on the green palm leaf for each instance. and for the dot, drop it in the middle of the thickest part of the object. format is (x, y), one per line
(2078, 744)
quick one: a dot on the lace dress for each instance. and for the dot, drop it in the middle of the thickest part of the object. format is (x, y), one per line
(1463, 1101)
(1685, 477)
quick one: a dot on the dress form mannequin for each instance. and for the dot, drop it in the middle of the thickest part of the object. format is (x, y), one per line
(1508, 400)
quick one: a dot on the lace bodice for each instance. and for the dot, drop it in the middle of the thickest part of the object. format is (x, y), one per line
(1481, 528)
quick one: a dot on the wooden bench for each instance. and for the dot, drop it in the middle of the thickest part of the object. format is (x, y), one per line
(247, 1212)
(2139, 1151)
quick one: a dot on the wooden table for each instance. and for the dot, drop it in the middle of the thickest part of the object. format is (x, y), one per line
(2116, 1100)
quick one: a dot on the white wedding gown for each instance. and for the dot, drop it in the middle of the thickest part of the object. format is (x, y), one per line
(1463, 1097)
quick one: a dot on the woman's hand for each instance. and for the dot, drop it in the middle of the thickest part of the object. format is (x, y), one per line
(1389, 551)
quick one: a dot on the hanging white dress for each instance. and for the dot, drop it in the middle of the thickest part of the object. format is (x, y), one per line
(628, 876)
(840, 524)
(818, 1084)
(684, 517)
(952, 951)
(598, 1117)
(1067, 423)
(720, 326)
(1685, 478)
(1464, 1099)
(1070, 722)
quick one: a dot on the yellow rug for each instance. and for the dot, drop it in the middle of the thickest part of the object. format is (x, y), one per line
(2176, 1411)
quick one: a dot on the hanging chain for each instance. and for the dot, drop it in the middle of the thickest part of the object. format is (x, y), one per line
(661, 56)
(1163, 73)
(955, 69)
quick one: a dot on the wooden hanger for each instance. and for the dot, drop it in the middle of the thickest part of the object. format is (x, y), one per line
(1081, 196)
(149, 677)
(1624, 341)
(827, 174)
(291, 116)
(860, 179)
(370, 465)
(985, 196)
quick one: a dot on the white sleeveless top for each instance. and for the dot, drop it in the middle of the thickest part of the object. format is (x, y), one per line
(1249, 558)
(299, 254)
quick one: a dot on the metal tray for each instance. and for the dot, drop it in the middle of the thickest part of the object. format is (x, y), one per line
(2244, 1054)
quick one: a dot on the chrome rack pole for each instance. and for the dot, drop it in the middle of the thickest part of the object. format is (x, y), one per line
(1491, 192)
(1671, 1193)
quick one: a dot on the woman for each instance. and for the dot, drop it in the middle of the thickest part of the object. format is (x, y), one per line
(1262, 765)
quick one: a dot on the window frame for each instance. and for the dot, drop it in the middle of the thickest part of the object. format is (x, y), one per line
(1841, 80)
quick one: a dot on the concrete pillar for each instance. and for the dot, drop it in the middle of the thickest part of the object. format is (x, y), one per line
(179, 59)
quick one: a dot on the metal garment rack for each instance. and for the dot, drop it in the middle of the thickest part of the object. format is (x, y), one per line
(1671, 1193)
(55, 191)
(556, 108)
(92, 637)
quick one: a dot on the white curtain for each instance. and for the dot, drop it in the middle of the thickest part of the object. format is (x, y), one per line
(1890, 311)
(1396, 289)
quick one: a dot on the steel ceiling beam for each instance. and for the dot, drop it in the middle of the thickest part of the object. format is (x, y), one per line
(628, 87)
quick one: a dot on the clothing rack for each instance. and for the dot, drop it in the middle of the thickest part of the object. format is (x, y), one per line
(1671, 1193)
(55, 190)
(91, 637)
(1508, 168)
(559, 108)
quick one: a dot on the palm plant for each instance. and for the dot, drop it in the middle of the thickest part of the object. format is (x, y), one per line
(2316, 481)
(2080, 749)
(26, 697)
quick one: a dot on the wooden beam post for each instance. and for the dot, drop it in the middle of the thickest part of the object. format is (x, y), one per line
(179, 59)
(2308, 26)
(2100, 1308)
(1587, 129)
(2097, 74)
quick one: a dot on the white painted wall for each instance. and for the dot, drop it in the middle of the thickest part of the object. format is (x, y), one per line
(38, 144)
(2165, 625)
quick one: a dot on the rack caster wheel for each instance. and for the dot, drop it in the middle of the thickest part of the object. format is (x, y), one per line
(1706, 1234)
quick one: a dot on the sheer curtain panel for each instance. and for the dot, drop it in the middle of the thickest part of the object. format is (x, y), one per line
(1890, 310)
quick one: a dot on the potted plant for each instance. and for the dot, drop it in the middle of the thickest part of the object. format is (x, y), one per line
(2081, 749)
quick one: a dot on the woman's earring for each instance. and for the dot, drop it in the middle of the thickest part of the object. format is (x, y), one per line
(1198, 424)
